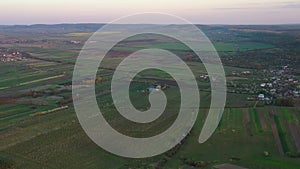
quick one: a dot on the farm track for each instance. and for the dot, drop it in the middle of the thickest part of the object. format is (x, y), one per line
(24, 88)
(275, 132)
(39, 80)
(47, 60)
(295, 135)
(246, 121)
(262, 119)
(246, 118)
(295, 116)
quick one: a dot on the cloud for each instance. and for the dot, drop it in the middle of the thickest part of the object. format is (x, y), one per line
(241, 8)
(291, 5)
(274, 5)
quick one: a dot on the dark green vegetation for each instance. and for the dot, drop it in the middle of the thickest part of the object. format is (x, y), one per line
(255, 119)
(246, 136)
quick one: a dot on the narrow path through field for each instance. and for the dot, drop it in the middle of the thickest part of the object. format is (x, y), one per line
(255, 104)
(246, 121)
(295, 116)
(39, 80)
(246, 118)
(262, 119)
(33, 81)
(295, 133)
(275, 132)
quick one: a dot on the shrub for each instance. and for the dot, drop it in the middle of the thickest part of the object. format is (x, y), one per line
(287, 102)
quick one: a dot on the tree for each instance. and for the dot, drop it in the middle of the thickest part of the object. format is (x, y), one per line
(287, 102)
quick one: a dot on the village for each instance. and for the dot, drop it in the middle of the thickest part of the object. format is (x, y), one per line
(11, 55)
(281, 84)
(264, 85)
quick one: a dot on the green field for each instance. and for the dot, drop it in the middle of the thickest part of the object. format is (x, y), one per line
(53, 139)
(246, 135)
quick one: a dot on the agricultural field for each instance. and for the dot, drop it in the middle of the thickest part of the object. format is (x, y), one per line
(39, 127)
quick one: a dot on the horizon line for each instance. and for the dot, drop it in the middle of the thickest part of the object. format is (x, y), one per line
(98, 23)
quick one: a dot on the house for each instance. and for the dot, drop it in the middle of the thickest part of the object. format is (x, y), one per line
(76, 42)
(273, 91)
(296, 93)
(235, 73)
(154, 88)
(270, 85)
(263, 85)
(251, 99)
(261, 97)
(246, 72)
(204, 77)
(267, 99)
(158, 87)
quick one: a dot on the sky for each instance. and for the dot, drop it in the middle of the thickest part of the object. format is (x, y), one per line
(19, 12)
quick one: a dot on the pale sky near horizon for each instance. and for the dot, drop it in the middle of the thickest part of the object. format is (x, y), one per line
(196, 11)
